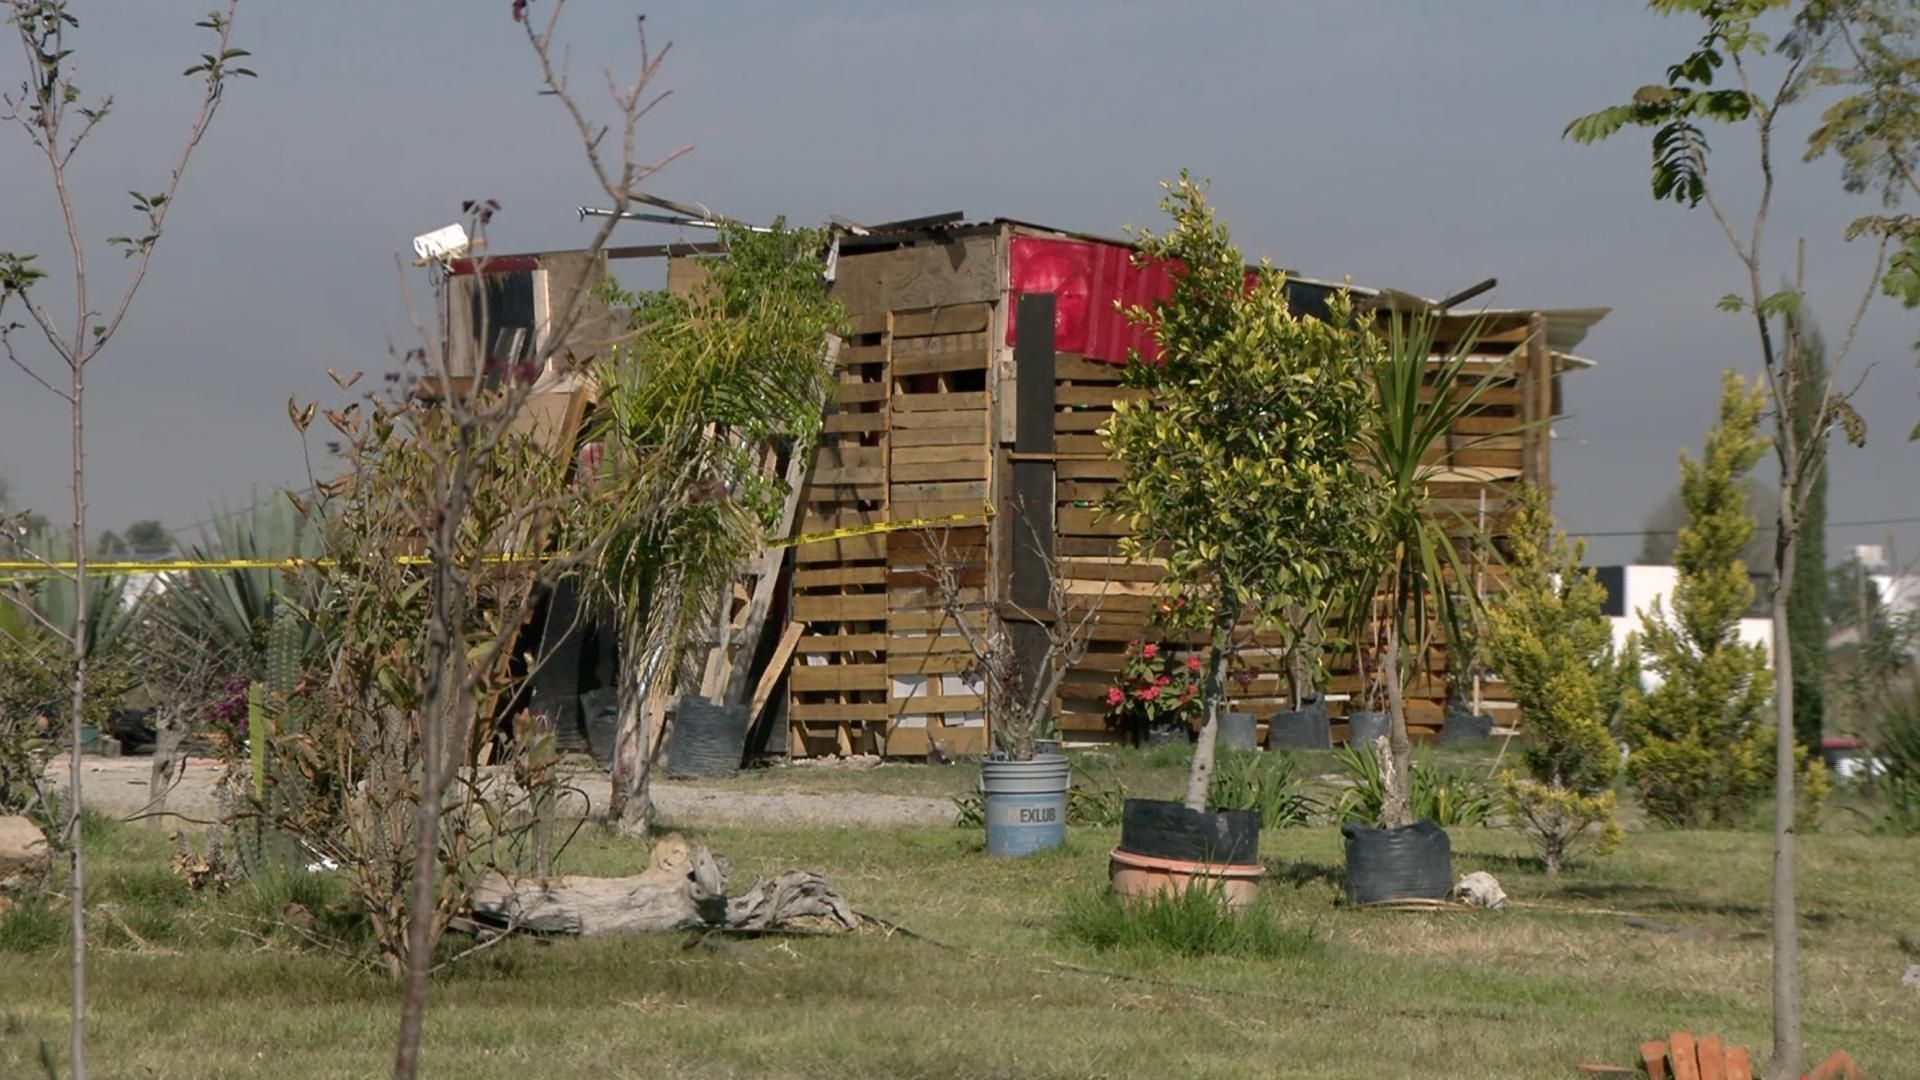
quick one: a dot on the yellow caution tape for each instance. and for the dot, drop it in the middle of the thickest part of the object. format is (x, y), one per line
(20, 569)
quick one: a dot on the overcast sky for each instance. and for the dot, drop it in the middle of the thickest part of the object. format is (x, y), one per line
(1408, 144)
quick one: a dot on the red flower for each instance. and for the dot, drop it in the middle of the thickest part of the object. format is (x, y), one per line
(1193, 663)
(1149, 693)
(1149, 650)
(1115, 696)
(1162, 681)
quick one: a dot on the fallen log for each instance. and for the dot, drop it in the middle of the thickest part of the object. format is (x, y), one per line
(684, 887)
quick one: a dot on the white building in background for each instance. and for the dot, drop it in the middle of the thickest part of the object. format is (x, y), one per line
(1631, 592)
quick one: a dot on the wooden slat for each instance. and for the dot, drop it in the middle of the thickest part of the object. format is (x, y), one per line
(845, 493)
(806, 712)
(862, 355)
(842, 643)
(973, 420)
(836, 455)
(939, 436)
(1713, 1058)
(933, 363)
(959, 319)
(840, 608)
(928, 663)
(932, 704)
(1739, 1066)
(1074, 367)
(838, 677)
(840, 575)
(954, 466)
(1653, 1057)
(1078, 521)
(855, 393)
(973, 491)
(851, 549)
(942, 344)
(1680, 1056)
(1097, 395)
(941, 401)
(841, 423)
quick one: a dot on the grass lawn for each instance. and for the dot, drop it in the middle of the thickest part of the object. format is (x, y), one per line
(194, 986)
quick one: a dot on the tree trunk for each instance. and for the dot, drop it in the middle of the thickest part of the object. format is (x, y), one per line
(77, 1034)
(1786, 927)
(1396, 810)
(628, 804)
(1200, 776)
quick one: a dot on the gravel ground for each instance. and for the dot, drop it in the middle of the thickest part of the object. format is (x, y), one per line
(119, 785)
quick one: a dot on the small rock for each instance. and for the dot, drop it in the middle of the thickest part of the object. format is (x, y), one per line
(1481, 889)
(24, 856)
(1911, 979)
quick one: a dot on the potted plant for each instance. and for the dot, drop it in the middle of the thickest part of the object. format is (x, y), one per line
(1420, 393)
(1367, 720)
(1241, 481)
(1156, 694)
(1305, 725)
(1025, 780)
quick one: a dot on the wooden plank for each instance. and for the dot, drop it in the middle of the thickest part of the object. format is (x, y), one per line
(855, 393)
(836, 475)
(937, 362)
(940, 401)
(932, 508)
(812, 712)
(862, 355)
(904, 346)
(845, 493)
(850, 549)
(933, 704)
(776, 667)
(1713, 1058)
(931, 620)
(840, 608)
(1680, 1056)
(919, 455)
(1087, 521)
(1097, 395)
(870, 323)
(839, 677)
(843, 423)
(1739, 1066)
(842, 643)
(958, 319)
(1653, 1057)
(974, 420)
(1077, 368)
(972, 491)
(954, 466)
(928, 663)
(1081, 421)
(838, 455)
(919, 437)
(840, 575)
(1089, 469)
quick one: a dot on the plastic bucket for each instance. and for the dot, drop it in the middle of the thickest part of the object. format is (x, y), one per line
(1026, 804)
(1364, 727)
(1239, 731)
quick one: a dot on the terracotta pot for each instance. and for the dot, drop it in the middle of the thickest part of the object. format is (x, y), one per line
(1138, 876)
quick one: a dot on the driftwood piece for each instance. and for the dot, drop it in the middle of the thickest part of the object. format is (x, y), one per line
(684, 887)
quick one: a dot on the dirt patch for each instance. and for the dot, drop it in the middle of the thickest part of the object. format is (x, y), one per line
(119, 786)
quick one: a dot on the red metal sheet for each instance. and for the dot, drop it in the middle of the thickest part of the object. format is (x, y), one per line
(1094, 284)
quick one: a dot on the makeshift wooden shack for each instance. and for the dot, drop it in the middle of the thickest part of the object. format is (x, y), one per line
(979, 363)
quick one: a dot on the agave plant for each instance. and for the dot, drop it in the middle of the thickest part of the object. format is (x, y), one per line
(1420, 395)
(211, 625)
(111, 614)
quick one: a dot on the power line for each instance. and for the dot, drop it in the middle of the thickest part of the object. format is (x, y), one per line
(1676, 532)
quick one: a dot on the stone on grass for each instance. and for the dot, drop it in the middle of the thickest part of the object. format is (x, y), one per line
(1481, 889)
(25, 858)
(1911, 979)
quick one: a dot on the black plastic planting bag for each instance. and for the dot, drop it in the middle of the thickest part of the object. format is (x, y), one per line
(708, 739)
(1414, 863)
(1364, 727)
(1305, 728)
(1238, 731)
(1168, 830)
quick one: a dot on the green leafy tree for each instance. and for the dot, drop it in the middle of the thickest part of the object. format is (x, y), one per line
(1422, 388)
(1741, 72)
(1549, 641)
(1698, 741)
(711, 385)
(1240, 464)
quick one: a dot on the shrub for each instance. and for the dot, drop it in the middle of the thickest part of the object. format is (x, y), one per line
(1549, 640)
(1446, 798)
(1189, 922)
(1701, 745)
(1896, 749)
(1267, 783)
